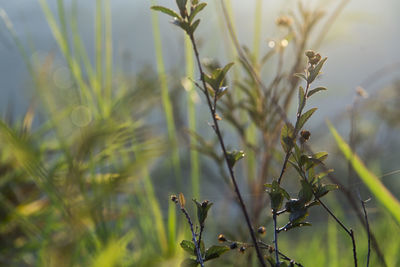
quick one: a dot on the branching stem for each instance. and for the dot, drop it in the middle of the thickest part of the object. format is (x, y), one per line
(222, 144)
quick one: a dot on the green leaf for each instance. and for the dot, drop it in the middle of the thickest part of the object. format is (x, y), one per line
(189, 247)
(221, 91)
(182, 24)
(381, 193)
(167, 11)
(315, 90)
(301, 99)
(276, 194)
(234, 156)
(301, 75)
(314, 73)
(202, 247)
(322, 190)
(215, 251)
(193, 27)
(189, 263)
(303, 119)
(311, 161)
(287, 137)
(221, 74)
(306, 193)
(297, 209)
(181, 5)
(202, 210)
(298, 224)
(321, 175)
(196, 10)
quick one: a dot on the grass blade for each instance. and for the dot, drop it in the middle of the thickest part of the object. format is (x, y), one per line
(381, 193)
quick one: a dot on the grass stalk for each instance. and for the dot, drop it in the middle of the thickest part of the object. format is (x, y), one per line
(165, 97)
(194, 155)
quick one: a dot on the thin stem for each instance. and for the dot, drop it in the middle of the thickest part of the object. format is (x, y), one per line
(198, 252)
(269, 247)
(276, 238)
(296, 131)
(368, 231)
(352, 201)
(348, 231)
(222, 144)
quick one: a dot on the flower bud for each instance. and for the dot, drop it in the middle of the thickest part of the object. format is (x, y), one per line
(174, 198)
(310, 53)
(261, 230)
(221, 238)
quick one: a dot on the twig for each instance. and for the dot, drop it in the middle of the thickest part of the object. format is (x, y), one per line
(348, 231)
(222, 144)
(269, 247)
(276, 238)
(198, 252)
(352, 201)
(368, 230)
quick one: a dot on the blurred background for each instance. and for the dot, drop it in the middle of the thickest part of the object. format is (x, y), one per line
(98, 129)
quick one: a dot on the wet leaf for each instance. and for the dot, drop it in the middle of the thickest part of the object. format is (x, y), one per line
(189, 247)
(215, 251)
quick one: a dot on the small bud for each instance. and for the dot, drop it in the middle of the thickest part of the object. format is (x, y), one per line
(174, 198)
(314, 60)
(261, 230)
(221, 238)
(242, 249)
(233, 245)
(271, 249)
(204, 203)
(305, 135)
(217, 117)
(310, 53)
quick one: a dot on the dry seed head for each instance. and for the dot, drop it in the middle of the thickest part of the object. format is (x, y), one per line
(314, 60)
(284, 21)
(310, 53)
